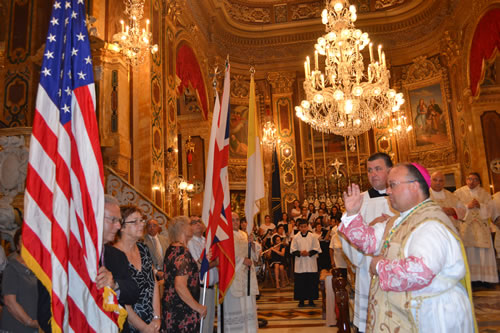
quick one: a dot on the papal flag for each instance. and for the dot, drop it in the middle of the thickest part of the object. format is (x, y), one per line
(255, 170)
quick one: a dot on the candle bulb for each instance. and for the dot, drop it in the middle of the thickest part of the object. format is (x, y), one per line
(308, 66)
(371, 52)
(316, 60)
(379, 53)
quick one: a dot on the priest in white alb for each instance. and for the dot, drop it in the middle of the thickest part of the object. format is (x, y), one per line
(475, 230)
(420, 272)
(450, 204)
(240, 309)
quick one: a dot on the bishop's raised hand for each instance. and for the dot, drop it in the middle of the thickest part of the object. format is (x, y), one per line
(353, 199)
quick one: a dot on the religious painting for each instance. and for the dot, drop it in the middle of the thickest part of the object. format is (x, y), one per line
(238, 202)
(426, 102)
(238, 132)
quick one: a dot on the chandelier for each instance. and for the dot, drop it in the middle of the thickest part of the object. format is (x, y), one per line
(399, 125)
(345, 100)
(134, 43)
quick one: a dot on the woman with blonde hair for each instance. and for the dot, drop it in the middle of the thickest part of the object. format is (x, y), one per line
(181, 310)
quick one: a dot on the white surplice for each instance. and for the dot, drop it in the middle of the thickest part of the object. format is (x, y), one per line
(480, 252)
(240, 310)
(370, 210)
(445, 198)
(308, 264)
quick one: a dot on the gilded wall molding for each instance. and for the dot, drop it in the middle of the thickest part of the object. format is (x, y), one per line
(281, 82)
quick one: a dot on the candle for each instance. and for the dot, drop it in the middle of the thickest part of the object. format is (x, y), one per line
(379, 53)
(305, 70)
(371, 52)
(308, 66)
(123, 26)
(126, 30)
(322, 81)
(383, 59)
(147, 25)
(316, 60)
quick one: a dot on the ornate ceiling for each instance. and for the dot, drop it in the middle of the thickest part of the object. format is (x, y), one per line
(282, 33)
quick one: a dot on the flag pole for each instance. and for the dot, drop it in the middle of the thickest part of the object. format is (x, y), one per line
(203, 298)
(252, 72)
(205, 276)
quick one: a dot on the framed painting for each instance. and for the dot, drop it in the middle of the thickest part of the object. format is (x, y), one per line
(238, 130)
(428, 109)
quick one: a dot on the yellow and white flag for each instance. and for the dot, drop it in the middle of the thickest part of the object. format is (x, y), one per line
(255, 170)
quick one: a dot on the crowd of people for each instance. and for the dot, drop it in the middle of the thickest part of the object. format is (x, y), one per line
(409, 240)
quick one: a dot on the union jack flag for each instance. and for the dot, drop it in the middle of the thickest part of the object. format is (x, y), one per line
(216, 212)
(64, 197)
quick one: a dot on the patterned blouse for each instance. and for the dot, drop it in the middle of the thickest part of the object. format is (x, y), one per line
(146, 282)
(177, 315)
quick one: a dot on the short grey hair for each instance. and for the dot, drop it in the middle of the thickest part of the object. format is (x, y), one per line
(177, 227)
(110, 200)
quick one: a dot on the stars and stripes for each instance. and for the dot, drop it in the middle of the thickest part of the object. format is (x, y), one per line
(64, 198)
(216, 212)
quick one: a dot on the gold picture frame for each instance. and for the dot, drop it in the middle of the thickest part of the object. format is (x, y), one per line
(427, 108)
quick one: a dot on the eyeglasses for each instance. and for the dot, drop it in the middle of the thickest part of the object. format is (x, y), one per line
(114, 219)
(392, 185)
(472, 179)
(136, 222)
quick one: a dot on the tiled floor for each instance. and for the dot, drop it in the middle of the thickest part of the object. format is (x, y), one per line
(283, 315)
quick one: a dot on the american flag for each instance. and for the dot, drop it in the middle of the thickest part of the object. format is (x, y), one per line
(216, 201)
(64, 198)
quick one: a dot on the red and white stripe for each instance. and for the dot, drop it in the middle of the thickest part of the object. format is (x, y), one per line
(64, 210)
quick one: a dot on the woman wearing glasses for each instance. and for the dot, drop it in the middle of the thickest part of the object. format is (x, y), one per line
(143, 316)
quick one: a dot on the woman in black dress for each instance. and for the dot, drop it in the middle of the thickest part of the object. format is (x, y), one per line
(278, 260)
(181, 310)
(143, 316)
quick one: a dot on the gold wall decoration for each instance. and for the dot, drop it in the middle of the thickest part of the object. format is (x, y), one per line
(282, 94)
(247, 14)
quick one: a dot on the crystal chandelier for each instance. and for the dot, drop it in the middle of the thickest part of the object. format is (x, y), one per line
(345, 100)
(399, 125)
(134, 42)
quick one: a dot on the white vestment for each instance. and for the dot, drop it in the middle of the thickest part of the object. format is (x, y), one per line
(495, 206)
(370, 210)
(309, 243)
(445, 198)
(336, 246)
(475, 232)
(240, 310)
(445, 306)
